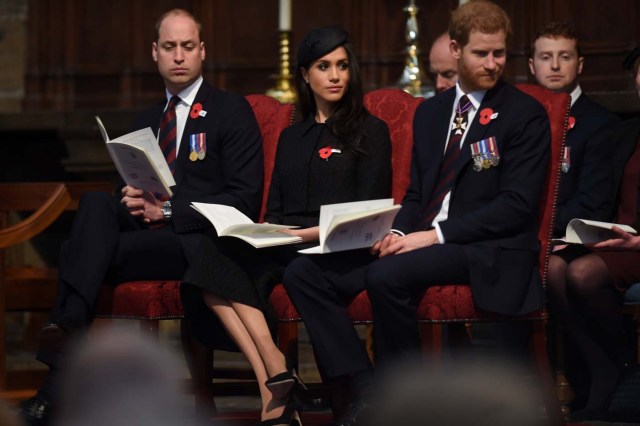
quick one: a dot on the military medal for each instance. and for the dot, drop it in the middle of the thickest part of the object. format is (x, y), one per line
(477, 164)
(485, 154)
(193, 149)
(494, 156)
(566, 159)
(198, 145)
(459, 125)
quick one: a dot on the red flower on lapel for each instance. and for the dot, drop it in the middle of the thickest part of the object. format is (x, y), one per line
(195, 110)
(572, 122)
(325, 152)
(486, 115)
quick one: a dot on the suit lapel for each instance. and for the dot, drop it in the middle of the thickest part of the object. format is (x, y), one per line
(443, 115)
(192, 126)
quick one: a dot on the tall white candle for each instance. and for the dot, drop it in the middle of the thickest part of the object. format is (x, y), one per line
(285, 15)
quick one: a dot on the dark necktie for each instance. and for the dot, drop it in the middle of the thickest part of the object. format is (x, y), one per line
(448, 166)
(168, 132)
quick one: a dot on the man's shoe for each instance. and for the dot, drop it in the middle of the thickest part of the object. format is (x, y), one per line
(356, 415)
(35, 411)
(52, 337)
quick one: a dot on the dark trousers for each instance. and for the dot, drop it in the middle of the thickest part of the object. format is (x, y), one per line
(108, 245)
(321, 287)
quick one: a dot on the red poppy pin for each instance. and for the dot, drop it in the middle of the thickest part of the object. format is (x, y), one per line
(572, 122)
(326, 152)
(486, 115)
(197, 111)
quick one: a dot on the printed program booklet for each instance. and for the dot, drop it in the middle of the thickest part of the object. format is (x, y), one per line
(348, 226)
(140, 160)
(230, 222)
(583, 231)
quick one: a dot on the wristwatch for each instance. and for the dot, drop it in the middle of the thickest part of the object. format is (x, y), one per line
(166, 211)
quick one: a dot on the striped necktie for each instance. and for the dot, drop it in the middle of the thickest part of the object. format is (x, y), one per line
(168, 132)
(448, 166)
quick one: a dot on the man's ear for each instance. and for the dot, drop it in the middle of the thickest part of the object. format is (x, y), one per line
(531, 68)
(202, 52)
(580, 64)
(455, 49)
(154, 51)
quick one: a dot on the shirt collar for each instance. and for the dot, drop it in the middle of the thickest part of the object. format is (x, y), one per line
(188, 94)
(475, 97)
(575, 94)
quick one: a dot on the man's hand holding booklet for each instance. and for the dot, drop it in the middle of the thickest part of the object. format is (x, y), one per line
(583, 231)
(139, 160)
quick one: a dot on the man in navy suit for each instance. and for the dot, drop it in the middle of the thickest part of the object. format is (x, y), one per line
(587, 176)
(480, 154)
(585, 183)
(215, 151)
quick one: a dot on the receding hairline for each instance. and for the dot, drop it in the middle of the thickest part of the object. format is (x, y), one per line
(177, 12)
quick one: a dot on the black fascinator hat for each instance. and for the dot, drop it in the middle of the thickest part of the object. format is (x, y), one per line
(319, 42)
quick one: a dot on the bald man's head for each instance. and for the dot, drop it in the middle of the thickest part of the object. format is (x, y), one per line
(442, 64)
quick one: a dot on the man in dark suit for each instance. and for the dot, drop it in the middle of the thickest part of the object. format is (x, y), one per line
(586, 179)
(585, 183)
(137, 236)
(470, 215)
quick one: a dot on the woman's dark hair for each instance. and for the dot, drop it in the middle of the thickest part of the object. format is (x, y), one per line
(348, 114)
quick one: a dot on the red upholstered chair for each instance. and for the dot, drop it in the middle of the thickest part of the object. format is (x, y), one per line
(152, 301)
(448, 304)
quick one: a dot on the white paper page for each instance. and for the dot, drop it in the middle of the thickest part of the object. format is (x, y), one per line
(591, 231)
(146, 140)
(328, 211)
(135, 169)
(584, 231)
(357, 232)
(103, 131)
(221, 216)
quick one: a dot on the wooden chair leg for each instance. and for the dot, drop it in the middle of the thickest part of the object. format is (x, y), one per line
(432, 342)
(539, 347)
(369, 344)
(563, 388)
(200, 363)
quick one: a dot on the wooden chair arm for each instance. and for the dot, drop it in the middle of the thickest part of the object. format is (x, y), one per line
(56, 201)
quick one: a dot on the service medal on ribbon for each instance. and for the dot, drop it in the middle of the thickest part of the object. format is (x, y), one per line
(485, 154)
(566, 159)
(198, 146)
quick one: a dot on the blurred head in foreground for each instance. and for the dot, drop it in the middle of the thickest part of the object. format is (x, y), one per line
(470, 393)
(120, 378)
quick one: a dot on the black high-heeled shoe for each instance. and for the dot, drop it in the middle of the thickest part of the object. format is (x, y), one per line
(290, 417)
(284, 383)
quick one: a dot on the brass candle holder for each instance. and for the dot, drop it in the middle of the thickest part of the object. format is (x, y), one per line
(412, 80)
(283, 91)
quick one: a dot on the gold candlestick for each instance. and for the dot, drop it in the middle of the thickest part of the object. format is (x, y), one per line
(412, 75)
(283, 91)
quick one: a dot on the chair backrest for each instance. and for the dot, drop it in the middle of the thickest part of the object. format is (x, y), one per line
(272, 117)
(47, 200)
(396, 108)
(557, 106)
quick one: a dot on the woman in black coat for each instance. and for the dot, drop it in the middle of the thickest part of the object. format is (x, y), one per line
(339, 153)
